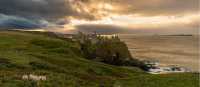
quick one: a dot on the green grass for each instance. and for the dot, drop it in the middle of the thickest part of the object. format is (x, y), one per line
(61, 62)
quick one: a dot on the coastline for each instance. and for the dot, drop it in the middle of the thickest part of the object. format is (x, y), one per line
(168, 50)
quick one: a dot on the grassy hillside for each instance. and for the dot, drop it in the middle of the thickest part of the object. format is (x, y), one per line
(60, 61)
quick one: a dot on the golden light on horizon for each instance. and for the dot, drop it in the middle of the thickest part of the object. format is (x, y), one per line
(115, 14)
(139, 21)
(82, 21)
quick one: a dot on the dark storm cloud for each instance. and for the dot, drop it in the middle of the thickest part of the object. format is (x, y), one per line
(27, 13)
(13, 22)
(39, 13)
(54, 9)
(36, 8)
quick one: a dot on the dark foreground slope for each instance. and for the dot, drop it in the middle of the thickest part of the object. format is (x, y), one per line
(59, 60)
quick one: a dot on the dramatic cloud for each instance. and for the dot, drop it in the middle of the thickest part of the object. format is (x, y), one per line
(22, 12)
(13, 22)
(141, 24)
(36, 8)
(159, 7)
(101, 15)
(52, 9)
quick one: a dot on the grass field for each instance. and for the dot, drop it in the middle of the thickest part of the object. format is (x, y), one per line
(60, 61)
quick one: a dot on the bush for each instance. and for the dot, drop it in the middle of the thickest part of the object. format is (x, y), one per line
(5, 63)
(48, 43)
(39, 65)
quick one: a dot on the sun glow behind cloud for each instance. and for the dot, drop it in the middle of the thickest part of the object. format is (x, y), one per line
(138, 21)
(165, 15)
(104, 13)
(127, 15)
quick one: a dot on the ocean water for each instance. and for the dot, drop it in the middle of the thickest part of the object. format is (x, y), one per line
(168, 50)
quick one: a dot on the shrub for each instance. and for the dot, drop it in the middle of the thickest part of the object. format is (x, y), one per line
(5, 63)
(39, 65)
(48, 43)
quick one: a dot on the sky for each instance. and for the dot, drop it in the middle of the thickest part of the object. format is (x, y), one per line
(103, 16)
